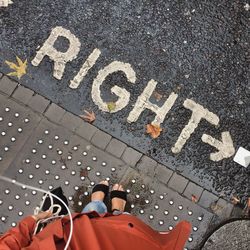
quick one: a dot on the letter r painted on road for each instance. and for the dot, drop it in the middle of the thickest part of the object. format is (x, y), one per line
(198, 113)
(122, 93)
(60, 58)
(143, 103)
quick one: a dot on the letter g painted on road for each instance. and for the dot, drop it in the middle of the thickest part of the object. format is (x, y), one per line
(122, 93)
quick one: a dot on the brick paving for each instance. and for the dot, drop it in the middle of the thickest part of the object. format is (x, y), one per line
(46, 146)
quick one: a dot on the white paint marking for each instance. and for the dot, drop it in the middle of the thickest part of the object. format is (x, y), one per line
(242, 157)
(225, 146)
(122, 93)
(198, 113)
(143, 103)
(89, 63)
(60, 58)
(5, 3)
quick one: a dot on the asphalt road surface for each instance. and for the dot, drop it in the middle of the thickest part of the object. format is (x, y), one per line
(197, 50)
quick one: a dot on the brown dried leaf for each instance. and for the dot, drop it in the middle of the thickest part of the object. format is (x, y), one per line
(154, 130)
(157, 96)
(19, 68)
(84, 172)
(89, 117)
(194, 198)
(235, 200)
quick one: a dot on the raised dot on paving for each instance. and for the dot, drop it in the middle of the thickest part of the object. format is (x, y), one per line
(161, 222)
(84, 153)
(156, 207)
(175, 218)
(166, 212)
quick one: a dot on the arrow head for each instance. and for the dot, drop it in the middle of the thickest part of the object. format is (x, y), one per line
(225, 147)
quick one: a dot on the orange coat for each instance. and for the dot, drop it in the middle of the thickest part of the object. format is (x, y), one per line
(101, 232)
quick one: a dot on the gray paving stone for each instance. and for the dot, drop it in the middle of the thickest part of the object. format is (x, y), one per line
(54, 113)
(101, 139)
(193, 189)
(131, 156)
(86, 130)
(70, 121)
(178, 183)
(146, 166)
(38, 103)
(116, 147)
(7, 85)
(222, 208)
(23, 94)
(207, 199)
(163, 174)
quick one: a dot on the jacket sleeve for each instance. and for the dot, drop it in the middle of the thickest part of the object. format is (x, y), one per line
(20, 236)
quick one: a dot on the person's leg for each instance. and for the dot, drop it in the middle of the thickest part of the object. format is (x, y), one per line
(98, 194)
(97, 206)
(118, 200)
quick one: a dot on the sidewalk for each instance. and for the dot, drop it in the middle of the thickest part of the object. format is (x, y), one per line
(45, 146)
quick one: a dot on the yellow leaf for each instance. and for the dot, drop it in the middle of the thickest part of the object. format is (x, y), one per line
(154, 130)
(111, 106)
(19, 68)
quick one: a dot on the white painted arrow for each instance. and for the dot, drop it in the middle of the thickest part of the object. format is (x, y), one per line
(5, 3)
(225, 146)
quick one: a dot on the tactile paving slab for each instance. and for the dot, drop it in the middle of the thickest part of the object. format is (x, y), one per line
(50, 156)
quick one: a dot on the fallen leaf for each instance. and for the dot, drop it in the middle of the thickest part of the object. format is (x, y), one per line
(84, 172)
(89, 117)
(19, 68)
(154, 130)
(194, 198)
(157, 96)
(235, 200)
(111, 106)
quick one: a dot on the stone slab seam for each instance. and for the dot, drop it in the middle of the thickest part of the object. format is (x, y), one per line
(7, 85)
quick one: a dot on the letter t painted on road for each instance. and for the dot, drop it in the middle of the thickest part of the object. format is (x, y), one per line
(198, 113)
